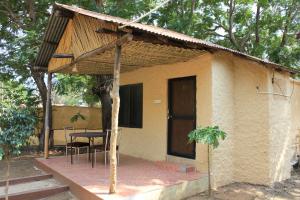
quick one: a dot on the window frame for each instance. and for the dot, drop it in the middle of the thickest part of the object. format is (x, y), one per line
(130, 122)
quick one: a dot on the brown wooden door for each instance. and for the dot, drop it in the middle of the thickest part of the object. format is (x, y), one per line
(181, 116)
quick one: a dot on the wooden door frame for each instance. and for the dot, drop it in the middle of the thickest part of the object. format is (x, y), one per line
(169, 135)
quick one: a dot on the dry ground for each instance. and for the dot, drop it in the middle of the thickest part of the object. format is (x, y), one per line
(289, 189)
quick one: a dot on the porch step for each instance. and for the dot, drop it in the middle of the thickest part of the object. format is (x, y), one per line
(32, 187)
(176, 167)
(36, 194)
(26, 179)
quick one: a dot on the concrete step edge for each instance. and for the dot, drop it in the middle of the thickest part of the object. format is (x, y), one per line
(26, 179)
(36, 194)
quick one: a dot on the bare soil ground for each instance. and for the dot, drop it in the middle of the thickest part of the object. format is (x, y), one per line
(20, 167)
(286, 190)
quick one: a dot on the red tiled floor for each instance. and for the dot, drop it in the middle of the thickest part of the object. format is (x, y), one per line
(134, 175)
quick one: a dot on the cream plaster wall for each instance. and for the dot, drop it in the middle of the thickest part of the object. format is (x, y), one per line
(259, 124)
(296, 117)
(150, 142)
(61, 116)
(280, 122)
(223, 116)
(243, 115)
(251, 137)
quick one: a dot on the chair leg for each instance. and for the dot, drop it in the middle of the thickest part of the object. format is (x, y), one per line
(95, 156)
(105, 158)
(78, 152)
(66, 153)
(87, 155)
(92, 160)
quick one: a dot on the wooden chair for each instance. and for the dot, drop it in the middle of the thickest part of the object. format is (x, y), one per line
(75, 145)
(106, 147)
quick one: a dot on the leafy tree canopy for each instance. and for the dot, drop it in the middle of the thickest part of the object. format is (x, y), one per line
(263, 28)
(18, 117)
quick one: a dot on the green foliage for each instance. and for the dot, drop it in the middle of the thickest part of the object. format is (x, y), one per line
(1, 154)
(18, 117)
(75, 89)
(13, 94)
(270, 35)
(207, 135)
(76, 117)
(17, 125)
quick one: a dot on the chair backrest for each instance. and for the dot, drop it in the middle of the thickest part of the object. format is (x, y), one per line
(68, 130)
(107, 138)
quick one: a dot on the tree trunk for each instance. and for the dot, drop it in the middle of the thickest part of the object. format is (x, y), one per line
(115, 117)
(106, 111)
(102, 89)
(7, 157)
(38, 78)
(257, 19)
(47, 119)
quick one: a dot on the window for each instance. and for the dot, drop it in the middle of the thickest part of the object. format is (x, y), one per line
(131, 106)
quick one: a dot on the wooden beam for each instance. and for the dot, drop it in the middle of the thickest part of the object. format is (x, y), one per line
(113, 31)
(119, 42)
(63, 13)
(51, 43)
(47, 118)
(62, 55)
(39, 69)
(163, 40)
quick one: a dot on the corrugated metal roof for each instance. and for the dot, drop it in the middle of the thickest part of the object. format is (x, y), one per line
(53, 34)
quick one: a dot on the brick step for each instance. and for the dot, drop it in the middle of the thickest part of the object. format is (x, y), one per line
(176, 167)
(26, 179)
(37, 193)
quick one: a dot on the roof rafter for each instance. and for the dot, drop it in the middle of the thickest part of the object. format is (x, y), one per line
(122, 40)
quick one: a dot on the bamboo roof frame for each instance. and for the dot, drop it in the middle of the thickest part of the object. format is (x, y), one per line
(145, 39)
(91, 42)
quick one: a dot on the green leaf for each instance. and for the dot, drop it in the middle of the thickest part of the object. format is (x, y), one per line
(207, 135)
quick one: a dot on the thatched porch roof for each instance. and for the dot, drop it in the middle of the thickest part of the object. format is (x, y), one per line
(80, 41)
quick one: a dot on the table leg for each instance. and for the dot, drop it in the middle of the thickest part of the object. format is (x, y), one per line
(89, 149)
(71, 150)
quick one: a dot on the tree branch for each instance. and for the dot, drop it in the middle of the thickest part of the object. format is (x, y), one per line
(12, 16)
(291, 14)
(31, 10)
(230, 23)
(257, 18)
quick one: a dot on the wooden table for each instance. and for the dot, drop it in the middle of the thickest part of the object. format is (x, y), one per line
(89, 135)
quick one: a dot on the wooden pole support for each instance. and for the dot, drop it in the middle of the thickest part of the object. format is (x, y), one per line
(47, 118)
(114, 121)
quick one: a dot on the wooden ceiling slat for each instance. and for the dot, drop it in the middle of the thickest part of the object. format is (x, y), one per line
(94, 51)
